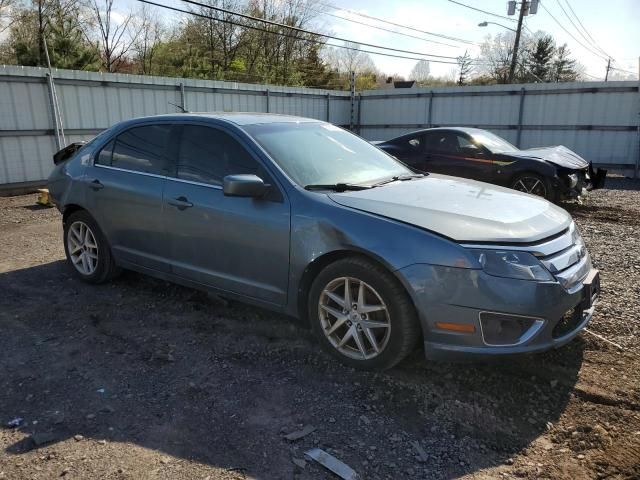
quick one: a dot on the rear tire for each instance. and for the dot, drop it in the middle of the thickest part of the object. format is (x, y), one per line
(362, 315)
(87, 250)
(533, 184)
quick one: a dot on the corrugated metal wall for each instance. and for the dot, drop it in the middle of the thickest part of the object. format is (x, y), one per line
(91, 102)
(599, 120)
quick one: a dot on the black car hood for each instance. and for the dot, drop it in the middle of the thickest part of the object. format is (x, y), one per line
(560, 156)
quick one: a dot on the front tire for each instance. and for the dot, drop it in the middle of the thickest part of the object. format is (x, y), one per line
(533, 184)
(87, 250)
(362, 315)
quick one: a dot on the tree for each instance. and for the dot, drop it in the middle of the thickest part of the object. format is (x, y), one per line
(420, 72)
(148, 40)
(495, 54)
(540, 56)
(564, 68)
(60, 22)
(466, 67)
(6, 11)
(115, 37)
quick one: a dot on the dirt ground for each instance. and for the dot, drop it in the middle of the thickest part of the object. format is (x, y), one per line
(141, 379)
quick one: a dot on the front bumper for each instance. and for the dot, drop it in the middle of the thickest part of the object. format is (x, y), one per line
(547, 315)
(583, 181)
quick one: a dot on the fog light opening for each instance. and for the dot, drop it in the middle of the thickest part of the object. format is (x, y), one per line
(502, 330)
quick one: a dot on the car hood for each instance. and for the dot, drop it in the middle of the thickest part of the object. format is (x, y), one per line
(460, 209)
(559, 155)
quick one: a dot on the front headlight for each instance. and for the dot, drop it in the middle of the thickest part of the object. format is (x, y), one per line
(505, 263)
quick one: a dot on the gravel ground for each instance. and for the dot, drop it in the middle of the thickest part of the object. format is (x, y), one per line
(141, 379)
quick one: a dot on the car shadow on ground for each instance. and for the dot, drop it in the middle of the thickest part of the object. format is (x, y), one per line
(144, 362)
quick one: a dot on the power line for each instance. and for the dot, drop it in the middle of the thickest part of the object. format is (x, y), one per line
(309, 32)
(311, 40)
(483, 11)
(625, 71)
(583, 27)
(384, 29)
(571, 35)
(580, 32)
(389, 22)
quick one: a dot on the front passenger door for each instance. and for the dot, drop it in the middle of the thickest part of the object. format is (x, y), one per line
(454, 153)
(240, 245)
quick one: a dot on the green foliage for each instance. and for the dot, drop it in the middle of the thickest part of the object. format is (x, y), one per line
(58, 23)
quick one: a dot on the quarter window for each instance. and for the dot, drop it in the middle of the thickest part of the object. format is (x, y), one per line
(104, 157)
(207, 155)
(142, 149)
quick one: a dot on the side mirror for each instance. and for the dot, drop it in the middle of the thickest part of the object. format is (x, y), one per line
(243, 185)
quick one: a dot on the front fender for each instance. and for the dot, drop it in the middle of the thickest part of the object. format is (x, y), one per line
(320, 227)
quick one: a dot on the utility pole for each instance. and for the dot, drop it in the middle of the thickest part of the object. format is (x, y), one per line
(606, 75)
(352, 88)
(524, 6)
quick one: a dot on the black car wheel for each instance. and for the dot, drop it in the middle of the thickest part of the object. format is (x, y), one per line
(533, 184)
(362, 315)
(87, 249)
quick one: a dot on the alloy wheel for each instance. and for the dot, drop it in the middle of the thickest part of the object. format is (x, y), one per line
(83, 248)
(354, 318)
(531, 185)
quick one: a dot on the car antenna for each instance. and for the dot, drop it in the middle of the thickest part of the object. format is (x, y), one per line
(182, 109)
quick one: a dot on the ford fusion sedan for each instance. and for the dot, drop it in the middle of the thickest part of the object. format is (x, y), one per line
(554, 173)
(307, 219)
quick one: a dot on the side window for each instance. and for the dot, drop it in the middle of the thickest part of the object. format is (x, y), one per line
(104, 156)
(207, 155)
(143, 149)
(416, 143)
(464, 142)
(445, 142)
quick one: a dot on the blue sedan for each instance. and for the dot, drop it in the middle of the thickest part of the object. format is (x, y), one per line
(307, 219)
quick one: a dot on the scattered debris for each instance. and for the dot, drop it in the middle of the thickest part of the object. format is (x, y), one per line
(299, 462)
(41, 438)
(298, 434)
(604, 339)
(16, 422)
(421, 453)
(331, 463)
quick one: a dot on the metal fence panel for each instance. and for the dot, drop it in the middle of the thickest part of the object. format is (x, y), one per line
(600, 121)
(90, 102)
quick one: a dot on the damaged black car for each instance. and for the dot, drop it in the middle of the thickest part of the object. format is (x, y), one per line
(555, 173)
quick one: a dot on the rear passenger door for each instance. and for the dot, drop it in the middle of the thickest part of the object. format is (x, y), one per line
(124, 194)
(240, 245)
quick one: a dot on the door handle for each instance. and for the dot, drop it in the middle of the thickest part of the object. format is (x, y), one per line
(180, 203)
(96, 185)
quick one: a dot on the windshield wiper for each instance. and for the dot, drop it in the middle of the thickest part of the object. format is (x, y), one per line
(396, 178)
(338, 187)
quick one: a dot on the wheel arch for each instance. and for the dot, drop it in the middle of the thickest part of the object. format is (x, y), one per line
(318, 264)
(71, 208)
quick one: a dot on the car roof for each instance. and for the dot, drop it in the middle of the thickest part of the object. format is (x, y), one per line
(237, 118)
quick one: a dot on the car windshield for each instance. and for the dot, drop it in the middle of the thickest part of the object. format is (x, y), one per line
(323, 154)
(493, 142)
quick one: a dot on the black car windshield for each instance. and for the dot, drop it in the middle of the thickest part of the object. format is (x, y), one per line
(493, 142)
(320, 153)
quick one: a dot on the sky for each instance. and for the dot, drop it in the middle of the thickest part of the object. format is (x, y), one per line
(614, 26)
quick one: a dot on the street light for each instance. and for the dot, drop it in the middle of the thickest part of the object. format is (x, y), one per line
(486, 24)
